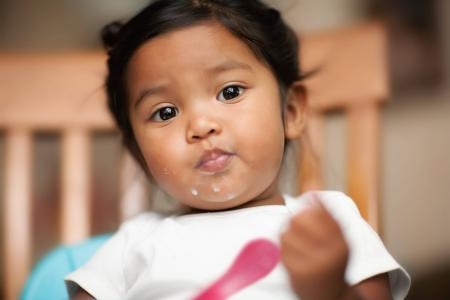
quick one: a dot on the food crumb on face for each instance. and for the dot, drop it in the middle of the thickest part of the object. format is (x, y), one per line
(216, 189)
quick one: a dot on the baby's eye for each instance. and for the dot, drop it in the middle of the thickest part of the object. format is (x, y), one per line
(164, 114)
(230, 92)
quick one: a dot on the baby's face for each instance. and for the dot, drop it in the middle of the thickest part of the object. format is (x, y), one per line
(206, 115)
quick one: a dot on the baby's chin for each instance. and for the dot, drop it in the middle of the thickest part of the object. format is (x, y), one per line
(213, 202)
(219, 194)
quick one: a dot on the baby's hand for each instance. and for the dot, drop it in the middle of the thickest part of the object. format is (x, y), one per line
(315, 254)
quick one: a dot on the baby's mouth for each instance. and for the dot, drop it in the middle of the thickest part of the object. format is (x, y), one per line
(214, 161)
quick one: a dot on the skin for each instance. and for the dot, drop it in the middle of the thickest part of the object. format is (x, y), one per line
(207, 117)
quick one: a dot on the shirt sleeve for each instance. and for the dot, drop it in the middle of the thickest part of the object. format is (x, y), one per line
(103, 275)
(368, 255)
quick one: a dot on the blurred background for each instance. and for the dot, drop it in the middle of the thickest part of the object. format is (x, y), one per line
(415, 173)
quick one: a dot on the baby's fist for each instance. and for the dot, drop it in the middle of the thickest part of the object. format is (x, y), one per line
(315, 254)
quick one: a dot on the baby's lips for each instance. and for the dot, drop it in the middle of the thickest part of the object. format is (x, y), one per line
(213, 160)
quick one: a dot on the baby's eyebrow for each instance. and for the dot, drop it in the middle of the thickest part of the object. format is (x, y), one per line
(157, 89)
(227, 66)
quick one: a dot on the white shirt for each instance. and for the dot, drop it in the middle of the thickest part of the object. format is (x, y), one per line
(175, 257)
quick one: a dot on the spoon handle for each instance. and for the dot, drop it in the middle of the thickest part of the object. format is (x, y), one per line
(256, 260)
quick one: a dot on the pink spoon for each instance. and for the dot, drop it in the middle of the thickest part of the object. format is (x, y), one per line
(256, 260)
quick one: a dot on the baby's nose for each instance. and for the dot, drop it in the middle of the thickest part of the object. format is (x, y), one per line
(202, 127)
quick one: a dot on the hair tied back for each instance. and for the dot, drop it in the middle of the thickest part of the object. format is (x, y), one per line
(110, 34)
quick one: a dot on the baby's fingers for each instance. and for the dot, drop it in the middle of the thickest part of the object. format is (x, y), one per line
(314, 222)
(313, 238)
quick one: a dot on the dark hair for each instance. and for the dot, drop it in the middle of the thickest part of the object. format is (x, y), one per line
(260, 27)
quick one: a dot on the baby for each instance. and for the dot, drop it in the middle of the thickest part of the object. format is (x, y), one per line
(208, 95)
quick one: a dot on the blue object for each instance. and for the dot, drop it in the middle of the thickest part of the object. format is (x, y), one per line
(46, 281)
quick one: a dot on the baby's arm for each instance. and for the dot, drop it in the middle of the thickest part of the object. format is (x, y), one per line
(314, 252)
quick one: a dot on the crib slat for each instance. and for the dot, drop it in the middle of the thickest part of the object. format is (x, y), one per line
(363, 160)
(75, 192)
(17, 211)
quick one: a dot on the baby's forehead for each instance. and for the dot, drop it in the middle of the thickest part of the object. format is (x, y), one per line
(208, 45)
(210, 31)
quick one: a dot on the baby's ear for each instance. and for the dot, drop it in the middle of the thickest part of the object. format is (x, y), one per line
(295, 111)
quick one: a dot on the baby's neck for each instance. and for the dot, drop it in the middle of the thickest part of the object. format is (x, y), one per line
(278, 200)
